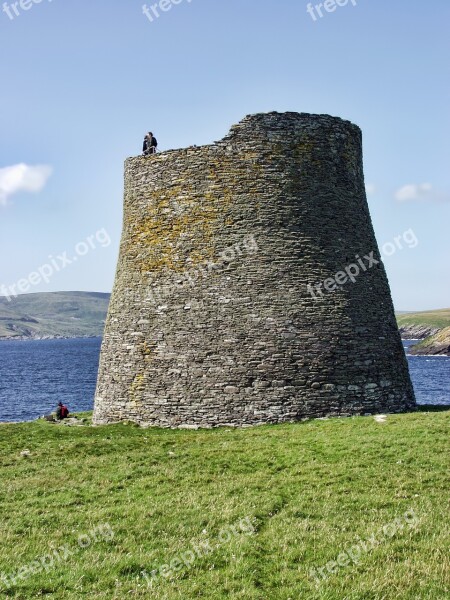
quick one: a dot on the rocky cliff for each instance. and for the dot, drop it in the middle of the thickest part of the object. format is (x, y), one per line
(437, 344)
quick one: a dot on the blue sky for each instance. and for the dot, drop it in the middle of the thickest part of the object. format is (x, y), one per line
(83, 81)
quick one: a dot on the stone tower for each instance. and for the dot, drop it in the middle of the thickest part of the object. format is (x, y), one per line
(249, 287)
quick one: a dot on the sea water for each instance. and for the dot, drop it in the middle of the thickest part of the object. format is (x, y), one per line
(36, 375)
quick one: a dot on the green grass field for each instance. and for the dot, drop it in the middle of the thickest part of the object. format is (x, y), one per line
(433, 318)
(268, 504)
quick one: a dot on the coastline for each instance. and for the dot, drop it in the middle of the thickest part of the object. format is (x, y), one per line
(48, 337)
(22, 338)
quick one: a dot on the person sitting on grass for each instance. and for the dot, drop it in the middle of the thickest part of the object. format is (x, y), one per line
(62, 412)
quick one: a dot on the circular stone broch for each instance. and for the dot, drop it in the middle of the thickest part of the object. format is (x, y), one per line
(249, 286)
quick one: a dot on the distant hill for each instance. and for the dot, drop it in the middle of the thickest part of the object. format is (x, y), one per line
(83, 314)
(54, 314)
(423, 324)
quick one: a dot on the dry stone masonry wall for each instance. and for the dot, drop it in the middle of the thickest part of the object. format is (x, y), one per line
(211, 320)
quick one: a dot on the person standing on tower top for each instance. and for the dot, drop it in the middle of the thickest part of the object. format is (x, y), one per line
(150, 144)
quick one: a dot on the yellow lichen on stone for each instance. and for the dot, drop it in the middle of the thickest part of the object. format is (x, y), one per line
(171, 218)
(147, 350)
(137, 389)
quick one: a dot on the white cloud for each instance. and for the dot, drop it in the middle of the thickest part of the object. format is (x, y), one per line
(370, 189)
(416, 191)
(22, 178)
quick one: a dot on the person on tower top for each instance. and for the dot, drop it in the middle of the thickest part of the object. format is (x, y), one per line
(150, 144)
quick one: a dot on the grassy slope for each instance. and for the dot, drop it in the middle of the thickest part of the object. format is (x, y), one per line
(311, 489)
(433, 318)
(68, 314)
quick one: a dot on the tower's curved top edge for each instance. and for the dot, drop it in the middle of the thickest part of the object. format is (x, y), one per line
(262, 122)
